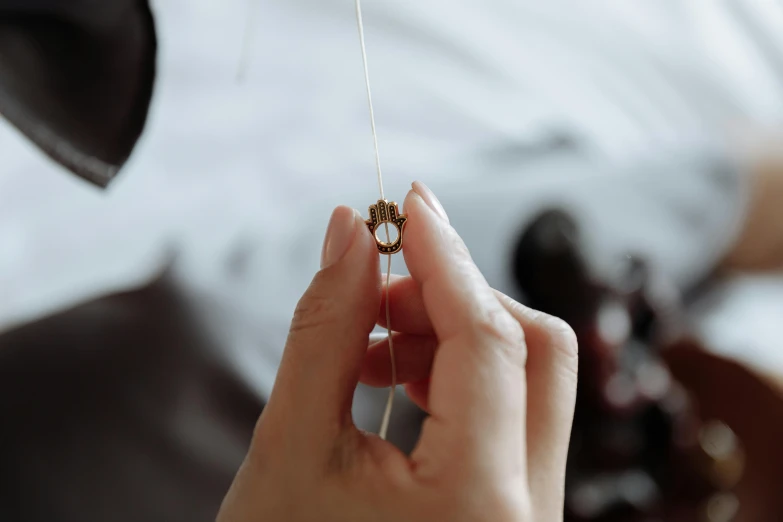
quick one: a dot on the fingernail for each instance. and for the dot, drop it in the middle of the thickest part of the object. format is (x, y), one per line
(339, 235)
(429, 198)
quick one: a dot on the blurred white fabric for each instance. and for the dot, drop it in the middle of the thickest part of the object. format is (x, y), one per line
(463, 90)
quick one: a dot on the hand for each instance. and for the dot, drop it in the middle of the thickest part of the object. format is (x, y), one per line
(758, 246)
(498, 379)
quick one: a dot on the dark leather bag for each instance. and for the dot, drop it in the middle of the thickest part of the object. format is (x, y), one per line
(76, 77)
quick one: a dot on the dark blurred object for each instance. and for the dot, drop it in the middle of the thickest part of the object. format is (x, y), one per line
(76, 78)
(122, 409)
(644, 447)
(753, 407)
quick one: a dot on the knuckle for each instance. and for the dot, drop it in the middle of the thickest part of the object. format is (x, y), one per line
(505, 501)
(515, 308)
(514, 502)
(312, 312)
(505, 334)
(563, 338)
(563, 334)
(344, 452)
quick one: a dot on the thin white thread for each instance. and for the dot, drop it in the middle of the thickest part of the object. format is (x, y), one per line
(390, 401)
(360, 24)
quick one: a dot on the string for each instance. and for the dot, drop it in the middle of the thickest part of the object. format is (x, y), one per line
(390, 401)
(360, 24)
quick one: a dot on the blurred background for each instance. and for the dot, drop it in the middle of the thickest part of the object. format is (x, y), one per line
(617, 165)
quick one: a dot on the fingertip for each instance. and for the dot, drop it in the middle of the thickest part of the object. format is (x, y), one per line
(421, 231)
(340, 234)
(362, 255)
(429, 198)
(365, 236)
(413, 202)
(407, 204)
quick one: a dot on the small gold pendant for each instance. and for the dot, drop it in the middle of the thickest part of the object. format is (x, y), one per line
(381, 213)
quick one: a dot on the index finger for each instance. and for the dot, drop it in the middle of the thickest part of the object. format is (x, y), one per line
(477, 387)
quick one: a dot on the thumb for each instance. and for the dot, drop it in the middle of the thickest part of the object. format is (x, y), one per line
(314, 388)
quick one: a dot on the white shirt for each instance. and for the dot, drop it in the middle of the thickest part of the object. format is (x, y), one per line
(463, 91)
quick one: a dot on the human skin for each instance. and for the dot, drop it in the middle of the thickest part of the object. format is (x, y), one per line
(497, 379)
(759, 246)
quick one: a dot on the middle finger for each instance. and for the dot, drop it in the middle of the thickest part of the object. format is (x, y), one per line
(406, 307)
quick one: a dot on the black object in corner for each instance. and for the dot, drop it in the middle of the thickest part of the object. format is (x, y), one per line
(77, 77)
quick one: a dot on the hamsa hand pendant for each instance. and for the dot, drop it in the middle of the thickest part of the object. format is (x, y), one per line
(385, 213)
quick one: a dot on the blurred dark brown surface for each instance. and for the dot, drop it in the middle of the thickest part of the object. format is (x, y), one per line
(122, 410)
(76, 78)
(753, 407)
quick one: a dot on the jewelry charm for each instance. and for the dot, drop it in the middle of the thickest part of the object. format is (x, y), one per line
(382, 213)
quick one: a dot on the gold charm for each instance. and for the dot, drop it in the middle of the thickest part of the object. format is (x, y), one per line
(385, 212)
